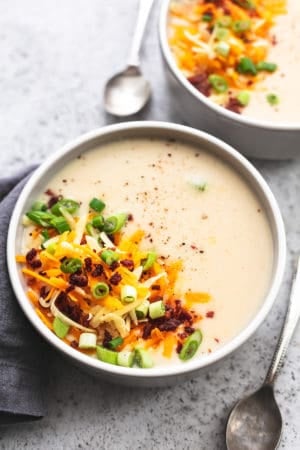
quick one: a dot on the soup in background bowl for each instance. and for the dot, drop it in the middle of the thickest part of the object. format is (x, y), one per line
(233, 66)
(144, 251)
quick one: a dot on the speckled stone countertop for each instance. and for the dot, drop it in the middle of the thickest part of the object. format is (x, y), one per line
(55, 57)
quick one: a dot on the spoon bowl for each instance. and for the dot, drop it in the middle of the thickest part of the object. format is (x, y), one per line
(127, 92)
(255, 423)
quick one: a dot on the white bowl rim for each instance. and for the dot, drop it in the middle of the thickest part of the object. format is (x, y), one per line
(278, 126)
(156, 372)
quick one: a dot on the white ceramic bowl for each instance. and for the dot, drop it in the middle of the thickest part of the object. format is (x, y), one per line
(36, 185)
(255, 138)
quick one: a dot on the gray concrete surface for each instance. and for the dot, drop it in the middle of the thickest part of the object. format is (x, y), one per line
(55, 57)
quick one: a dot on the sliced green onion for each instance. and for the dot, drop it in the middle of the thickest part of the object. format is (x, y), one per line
(70, 206)
(60, 224)
(142, 310)
(100, 290)
(224, 21)
(191, 346)
(240, 26)
(109, 256)
(114, 223)
(267, 66)
(40, 217)
(221, 33)
(71, 265)
(39, 206)
(149, 261)
(45, 235)
(207, 17)
(219, 83)
(244, 98)
(128, 293)
(125, 358)
(246, 66)
(273, 99)
(98, 222)
(97, 205)
(222, 48)
(114, 343)
(60, 328)
(91, 230)
(87, 340)
(246, 4)
(106, 355)
(157, 309)
(51, 248)
(142, 358)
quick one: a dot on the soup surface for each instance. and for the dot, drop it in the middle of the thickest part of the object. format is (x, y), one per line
(193, 208)
(244, 55)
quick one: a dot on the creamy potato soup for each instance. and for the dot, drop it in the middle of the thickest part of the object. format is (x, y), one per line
(242, 54)
(147, 252)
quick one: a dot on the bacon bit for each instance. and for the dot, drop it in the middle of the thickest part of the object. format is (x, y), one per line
(74, 344)
(98, 270)
(71, 309)
(36, 264)
(179, 347)
(201, 83)
(155, 287)
(210, 314)
(107, 338)
(217, 340)
(54, 199)
(78, 280)
(114, 265)
(189, 330)
(128, 263)
(50, 193)
(234, 105)
(83, 240)
(31, 255)
(130, 217)
(88, 264)
(115, 279)
(44, 291)
(70, 288)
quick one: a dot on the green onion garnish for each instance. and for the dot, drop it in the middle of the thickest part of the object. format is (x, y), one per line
(98, 222)
(70, 206)
(244, 98)
(109, 256)
(191, 346)
(71, 265)
(273, 99)
(246, 66)
(115, 343)
(267, 66)
(157, 309)
(87, 340)
(39, 206)
(60, 328)
(207, 17)
(222, 48)
(106, 355)
(149, 261)
(128, 293)
(100, 290)
(142, 310)
(60, 224)
(142, 358)
(114, 223)
(246, 4)
(219, 83)
(40, 217)
(97, 205)
(224, 21)
(221, 33)
(125, 358)
(240, 26)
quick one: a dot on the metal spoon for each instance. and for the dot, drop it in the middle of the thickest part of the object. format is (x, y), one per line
(127, 92)
(255, 422)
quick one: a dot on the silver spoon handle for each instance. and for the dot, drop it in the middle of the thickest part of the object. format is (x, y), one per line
(143, 15)
(289, 326)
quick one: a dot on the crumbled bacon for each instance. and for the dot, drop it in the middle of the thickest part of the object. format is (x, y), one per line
(114, 265)
(36, 264)
(128, 263)
(97, 271)
(78, 279)
(115, 279)
(201, 83)
(234, 105)
(31, 255)
(71, 309)
(88, 264)
(210, 314)
(107, 338)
